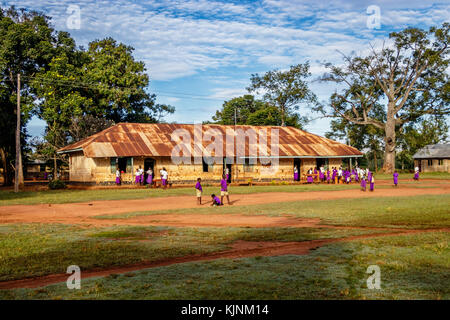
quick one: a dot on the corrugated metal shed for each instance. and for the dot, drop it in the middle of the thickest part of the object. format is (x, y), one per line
(433, 151)
(155, 140)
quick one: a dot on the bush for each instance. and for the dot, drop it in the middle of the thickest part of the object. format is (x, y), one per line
(56, 184)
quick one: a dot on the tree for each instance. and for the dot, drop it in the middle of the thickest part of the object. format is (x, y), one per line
(121, 82)
(368, 139)
(59, 103)
(409, 76)
(415, 136)
(249, 111)
(284, 89)
(82, 89)
(85, 126)
(27, 43)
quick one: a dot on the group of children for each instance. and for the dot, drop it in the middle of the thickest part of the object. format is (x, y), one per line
(357, 174)
(215, 199)
(139, 176)
(335, 175)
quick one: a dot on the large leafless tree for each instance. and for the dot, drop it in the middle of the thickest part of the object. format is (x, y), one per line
(408, 74)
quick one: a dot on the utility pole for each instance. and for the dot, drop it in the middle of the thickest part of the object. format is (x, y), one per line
(18, 163)
(235, 115)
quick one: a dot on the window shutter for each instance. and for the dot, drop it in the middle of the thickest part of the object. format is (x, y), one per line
(130, 165)
(113, 165)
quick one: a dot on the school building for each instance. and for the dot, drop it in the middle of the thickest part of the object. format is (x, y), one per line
(433, 158)
(127, 146)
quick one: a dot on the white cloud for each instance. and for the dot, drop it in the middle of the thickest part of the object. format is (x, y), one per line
(227, 93)
(273, 61)
(182, 38)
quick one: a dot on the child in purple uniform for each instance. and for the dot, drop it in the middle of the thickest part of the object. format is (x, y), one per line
(215, 200)
(164, 177)
(137, 180)
(199, 190)
(224, 190)
(333, 177)
(363, 183)
(372, 182)
(395, 178)
(328, 176)
(118, 178)
(149, 177)
(309, 177)
(416, 173)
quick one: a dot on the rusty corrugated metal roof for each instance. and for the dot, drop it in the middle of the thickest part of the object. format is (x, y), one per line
(142, 139)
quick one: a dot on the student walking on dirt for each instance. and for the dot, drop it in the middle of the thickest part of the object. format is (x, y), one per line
(199, 190)
(416, 173)
(372, 182)
(363, 183)
(395, 175)
(224, 189)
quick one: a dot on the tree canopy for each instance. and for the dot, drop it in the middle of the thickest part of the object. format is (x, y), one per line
(251, 111)
(408, 76)
(62, 82)
(286, 90)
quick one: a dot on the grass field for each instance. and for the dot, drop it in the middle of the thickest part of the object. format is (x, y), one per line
(412, 267)
(35, 250)
(414, 264)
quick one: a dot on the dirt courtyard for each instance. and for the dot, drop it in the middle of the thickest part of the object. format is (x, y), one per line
(83, 212)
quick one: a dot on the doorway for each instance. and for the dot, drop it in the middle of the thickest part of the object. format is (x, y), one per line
(229, 166)
(297, 163)
(149, 163)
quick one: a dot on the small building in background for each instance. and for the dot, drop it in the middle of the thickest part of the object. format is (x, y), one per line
(128, 146)
(433, 158)
(34, 169)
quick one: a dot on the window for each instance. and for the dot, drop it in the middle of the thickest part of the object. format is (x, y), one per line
(321, 162)
(441, 162)
(430, 162)
(207, 167)
(248, 165)
(123, 164)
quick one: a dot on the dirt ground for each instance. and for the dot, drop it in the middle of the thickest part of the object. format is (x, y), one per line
(82, 213)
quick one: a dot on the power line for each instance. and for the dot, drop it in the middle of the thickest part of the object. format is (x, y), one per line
(96, 86)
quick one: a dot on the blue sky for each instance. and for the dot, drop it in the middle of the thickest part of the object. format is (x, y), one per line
(199, 53)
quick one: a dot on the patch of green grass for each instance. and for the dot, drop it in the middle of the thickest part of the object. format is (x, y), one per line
(412, 267)
(33, 249)
(423, 175)
(428, 211)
